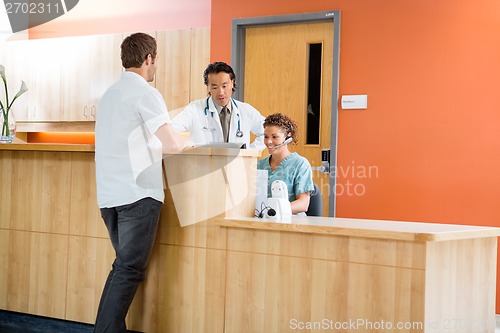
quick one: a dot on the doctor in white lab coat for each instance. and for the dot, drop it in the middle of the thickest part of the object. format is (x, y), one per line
(202, 117)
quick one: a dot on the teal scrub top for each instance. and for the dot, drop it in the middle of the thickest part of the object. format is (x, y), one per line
(294, 170)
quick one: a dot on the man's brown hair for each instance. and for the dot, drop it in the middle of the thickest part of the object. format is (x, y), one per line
(136, 48)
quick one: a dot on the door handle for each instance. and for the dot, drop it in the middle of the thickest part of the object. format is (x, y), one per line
(325, 162)
(321, 168)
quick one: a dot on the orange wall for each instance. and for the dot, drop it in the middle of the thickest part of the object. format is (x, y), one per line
(428, 146)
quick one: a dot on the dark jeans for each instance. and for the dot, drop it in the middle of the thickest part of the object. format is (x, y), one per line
(132, 229)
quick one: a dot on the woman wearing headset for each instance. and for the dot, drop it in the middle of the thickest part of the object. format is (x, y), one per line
(282, 164)
(219, 118)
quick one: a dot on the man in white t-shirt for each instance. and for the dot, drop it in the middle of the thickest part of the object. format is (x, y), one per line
(132, 131)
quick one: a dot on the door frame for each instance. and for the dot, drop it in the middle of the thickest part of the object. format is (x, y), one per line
(238, 64)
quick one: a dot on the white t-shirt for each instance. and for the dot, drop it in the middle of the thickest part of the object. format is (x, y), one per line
(128, 155)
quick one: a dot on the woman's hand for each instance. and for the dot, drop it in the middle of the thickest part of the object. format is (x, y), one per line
(301, 203)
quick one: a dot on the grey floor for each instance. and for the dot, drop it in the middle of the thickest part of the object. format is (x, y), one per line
(13, 322)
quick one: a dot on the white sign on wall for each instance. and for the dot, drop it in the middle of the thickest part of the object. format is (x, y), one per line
(354, 101)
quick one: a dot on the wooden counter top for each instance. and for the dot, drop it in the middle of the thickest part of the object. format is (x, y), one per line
(63, 147)
(395, 230)
(218, 151)
(204, 151)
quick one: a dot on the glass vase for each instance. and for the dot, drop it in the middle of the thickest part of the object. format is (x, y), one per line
(8, 127)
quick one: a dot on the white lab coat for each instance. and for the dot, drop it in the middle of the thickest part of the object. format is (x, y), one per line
(205, 128)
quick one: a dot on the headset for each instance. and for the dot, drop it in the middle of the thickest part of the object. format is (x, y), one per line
(264, 209)
(287, 141)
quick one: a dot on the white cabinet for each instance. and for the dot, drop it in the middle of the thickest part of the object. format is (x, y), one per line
(45, 79)
(35, 63)
(91, 65)
(105, 66)
(15, 62)
(66, 77)
(75, 78)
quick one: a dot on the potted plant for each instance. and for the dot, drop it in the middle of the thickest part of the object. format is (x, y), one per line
(8, 123)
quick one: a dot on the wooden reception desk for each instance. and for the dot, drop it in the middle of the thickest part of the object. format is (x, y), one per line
(231, 272)
(351, 275)
(208, 182)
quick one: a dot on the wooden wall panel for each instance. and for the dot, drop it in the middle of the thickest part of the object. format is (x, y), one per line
(183, 56)
(22, 174)
(329, 247)
(89, 263)
(15, 258)
(34, 267)
(268, 293)
(173, 74)
(203, 234)
(474, 261)
(38, 197)
(4, 263)
(85, 216)
(387, 252)
(48, 275)
(184, 292)
(54, 172)
(144, 312)
(6, 166)
(193, 290)
(200, 49)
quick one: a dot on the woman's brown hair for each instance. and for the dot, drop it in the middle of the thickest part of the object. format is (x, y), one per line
(288, 125)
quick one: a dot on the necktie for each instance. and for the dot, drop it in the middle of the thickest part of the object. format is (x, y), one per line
(224, 121)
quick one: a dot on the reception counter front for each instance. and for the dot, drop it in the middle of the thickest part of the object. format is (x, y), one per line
(226, 271)
(352, 275)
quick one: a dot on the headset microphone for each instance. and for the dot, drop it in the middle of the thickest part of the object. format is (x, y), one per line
(287, 141)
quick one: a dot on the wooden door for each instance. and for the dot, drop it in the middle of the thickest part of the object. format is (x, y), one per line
(276, 79)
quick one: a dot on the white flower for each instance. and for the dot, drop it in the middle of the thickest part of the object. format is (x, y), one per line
(21, 91)
(2, 73)
(5, 108)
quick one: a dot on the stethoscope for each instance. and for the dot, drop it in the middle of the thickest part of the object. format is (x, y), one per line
(239, 133)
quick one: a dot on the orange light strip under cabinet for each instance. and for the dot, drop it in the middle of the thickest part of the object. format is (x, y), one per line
(62, 137)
